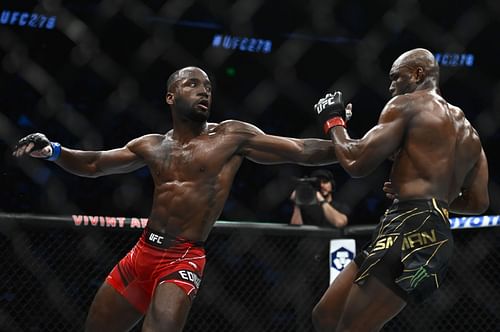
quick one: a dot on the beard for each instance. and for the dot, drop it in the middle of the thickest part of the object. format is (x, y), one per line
(191, 111)
(197, 115)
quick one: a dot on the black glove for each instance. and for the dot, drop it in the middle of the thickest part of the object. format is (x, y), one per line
(37, 145)
(331, 111)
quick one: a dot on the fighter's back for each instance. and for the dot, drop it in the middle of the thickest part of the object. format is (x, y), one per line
(439, 149)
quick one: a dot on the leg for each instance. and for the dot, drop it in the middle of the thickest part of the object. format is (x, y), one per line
(369, 307)
(326, 314)
(168, 310)
(111, 312)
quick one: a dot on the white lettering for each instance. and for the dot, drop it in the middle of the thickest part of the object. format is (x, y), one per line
(156, 238)
(476, 222)
(190, 276)
(94, 220)
(110, 222)
(77, 219)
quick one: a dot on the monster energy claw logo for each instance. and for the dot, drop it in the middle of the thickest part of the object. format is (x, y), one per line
(417, 278)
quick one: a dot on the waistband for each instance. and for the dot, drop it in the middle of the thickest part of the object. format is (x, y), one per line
(165, 240)
(430, 203)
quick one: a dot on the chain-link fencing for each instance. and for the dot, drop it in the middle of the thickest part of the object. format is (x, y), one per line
(91, 75)
(264, 278)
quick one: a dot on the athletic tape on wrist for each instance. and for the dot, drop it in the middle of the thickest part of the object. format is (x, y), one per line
(56, 151)
(333, 122)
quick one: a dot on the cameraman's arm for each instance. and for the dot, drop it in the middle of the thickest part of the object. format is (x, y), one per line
(334, 216)
(296, 215)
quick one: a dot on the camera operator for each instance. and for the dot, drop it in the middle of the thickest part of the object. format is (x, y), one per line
(313, 201)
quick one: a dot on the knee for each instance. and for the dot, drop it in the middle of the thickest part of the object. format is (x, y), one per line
(323, 320)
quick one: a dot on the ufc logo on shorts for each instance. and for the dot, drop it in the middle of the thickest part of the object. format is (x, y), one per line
(323, 102)
(156, 238)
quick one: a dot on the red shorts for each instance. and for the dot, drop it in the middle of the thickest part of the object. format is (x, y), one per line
(155, 259)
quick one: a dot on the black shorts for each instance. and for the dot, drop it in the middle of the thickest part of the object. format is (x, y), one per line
(410, 249)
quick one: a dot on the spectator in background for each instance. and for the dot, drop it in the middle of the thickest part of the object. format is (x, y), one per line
(313, 201)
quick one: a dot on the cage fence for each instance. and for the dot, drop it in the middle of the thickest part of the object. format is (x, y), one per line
(256, 279)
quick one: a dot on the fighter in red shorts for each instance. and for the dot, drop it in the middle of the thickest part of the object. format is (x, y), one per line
(193, 167)
(158, 258)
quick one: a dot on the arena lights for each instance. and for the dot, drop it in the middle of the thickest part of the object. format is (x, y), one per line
(26, 19)
(455, 59)
(244, 44)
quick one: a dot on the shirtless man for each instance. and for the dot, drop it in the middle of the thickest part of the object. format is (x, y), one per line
(439, 167)
(193, 167)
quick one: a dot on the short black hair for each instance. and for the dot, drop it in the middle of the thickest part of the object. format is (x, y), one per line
(323, 174)
(172, 79)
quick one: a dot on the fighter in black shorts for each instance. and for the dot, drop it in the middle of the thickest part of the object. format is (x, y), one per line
(439, 165)
(410, 249)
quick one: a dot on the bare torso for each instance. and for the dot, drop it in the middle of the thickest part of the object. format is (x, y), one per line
(192, 179)
(439, 148)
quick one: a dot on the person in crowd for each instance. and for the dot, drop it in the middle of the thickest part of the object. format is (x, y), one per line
(313, 201)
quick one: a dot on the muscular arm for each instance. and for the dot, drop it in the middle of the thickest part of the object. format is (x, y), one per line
(359, 157)
(269, 149)
(98, 163)
(475, 198)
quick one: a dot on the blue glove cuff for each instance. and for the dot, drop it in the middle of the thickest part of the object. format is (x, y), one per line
(56, 151)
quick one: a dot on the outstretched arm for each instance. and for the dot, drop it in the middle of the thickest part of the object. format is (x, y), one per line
(83, 163)
(359, 157)
(269, 149)
(474, 198)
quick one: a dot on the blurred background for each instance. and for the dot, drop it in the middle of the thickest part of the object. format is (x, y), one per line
(92, 75)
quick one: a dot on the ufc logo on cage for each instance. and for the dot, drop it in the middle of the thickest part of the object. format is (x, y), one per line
(156, 238)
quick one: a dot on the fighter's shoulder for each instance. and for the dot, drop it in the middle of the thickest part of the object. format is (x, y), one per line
(406, 100)
(398, 107)
(411, 103)
(461, 120)
(146, 140)
(236, 126)
(456, 112)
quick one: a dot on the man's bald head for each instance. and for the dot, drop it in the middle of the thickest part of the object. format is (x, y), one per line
(419, 57)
